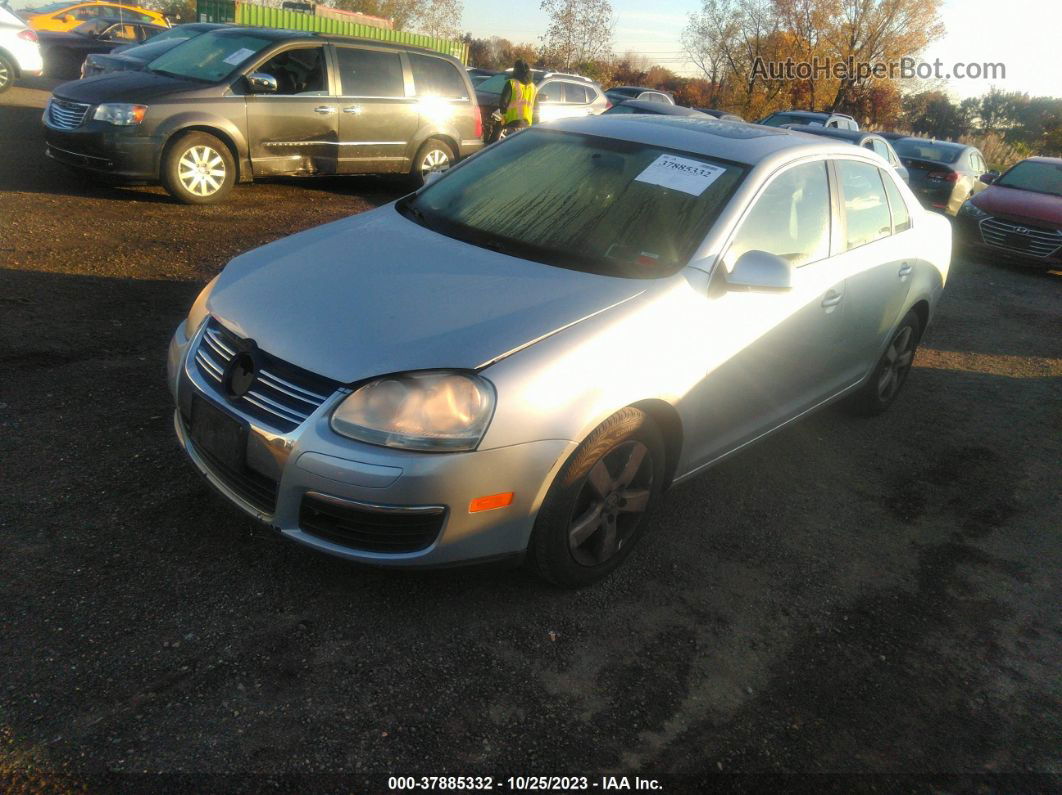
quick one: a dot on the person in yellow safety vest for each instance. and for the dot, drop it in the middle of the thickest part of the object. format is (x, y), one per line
(517, 102)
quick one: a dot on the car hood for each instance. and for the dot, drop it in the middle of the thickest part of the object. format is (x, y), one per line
(377, 293)
(124, 87)
(1000, 200)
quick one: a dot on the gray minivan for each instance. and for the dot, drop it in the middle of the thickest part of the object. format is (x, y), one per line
(239, 103)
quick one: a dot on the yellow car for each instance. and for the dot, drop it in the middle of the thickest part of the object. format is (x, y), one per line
(67, 15)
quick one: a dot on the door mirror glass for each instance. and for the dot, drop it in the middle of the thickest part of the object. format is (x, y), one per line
(261, 83)
(989, 178)
(760, 270)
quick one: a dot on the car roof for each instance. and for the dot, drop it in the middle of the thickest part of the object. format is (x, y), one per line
(811, 114)
(638, 89)
(953, 145)
(1054, 161)
(855, 136)
(282, 34)
(703, 135)
(661, 108)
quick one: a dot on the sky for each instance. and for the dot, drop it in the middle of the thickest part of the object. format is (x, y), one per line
(1021, 34)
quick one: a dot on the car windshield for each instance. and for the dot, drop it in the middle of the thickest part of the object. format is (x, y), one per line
(179, 33)
(1036, 177)
(778, 119)
(600, 205)
(927, 150)
(210, 57)
(494, 84)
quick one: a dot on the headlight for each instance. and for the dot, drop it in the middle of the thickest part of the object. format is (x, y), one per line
(971, 210)
(198, 313)
(120, 114)
(440, 410)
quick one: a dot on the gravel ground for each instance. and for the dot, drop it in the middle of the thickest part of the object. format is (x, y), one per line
(852, 596)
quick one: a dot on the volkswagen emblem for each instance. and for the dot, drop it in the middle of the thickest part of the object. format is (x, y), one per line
(240, 374)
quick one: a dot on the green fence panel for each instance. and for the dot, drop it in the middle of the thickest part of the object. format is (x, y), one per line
(267, 17)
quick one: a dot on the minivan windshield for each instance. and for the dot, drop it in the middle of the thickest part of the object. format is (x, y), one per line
(211, 57)
(1033, 176)
(616, 208)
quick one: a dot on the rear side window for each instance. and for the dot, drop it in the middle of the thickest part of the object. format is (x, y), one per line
(865, 207)
(434, 77)
(901, 216)
(370, 73)
(790, 219)
(574, 93)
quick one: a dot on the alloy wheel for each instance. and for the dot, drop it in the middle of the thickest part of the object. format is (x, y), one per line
(896, 363)
(435, 160)
(201, 170)
(611, 503)
(5, 74)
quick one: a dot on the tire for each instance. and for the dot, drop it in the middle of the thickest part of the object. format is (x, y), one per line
(433, 155)
(198, 169)
(890, 374)
(598, 506)
(7, 73)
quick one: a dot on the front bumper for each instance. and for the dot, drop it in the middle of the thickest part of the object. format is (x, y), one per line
(312, 465)
(97, 146)
(998, 242)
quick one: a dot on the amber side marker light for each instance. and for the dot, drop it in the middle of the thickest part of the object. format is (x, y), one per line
(491, 502)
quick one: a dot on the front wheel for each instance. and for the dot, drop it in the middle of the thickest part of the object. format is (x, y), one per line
(884, 384)
(598, 507)
(198, 169)
(7, 73)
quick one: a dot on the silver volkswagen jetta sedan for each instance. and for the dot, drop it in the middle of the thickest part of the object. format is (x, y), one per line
(516, 360)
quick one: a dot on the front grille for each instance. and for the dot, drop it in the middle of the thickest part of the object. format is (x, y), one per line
(254, 487)
(282, 395)
(1041, 242)
(66, 115)
(370, 529)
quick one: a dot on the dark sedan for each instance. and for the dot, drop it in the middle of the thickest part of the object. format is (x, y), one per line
(133, 57)
(720, 114)
(654, 108)
(65, 52)
(943, 174)
(867, 140)
(1019, 217)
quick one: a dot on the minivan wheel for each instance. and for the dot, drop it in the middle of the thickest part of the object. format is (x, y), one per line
(434, 156)
(198, 169)
(599, 504)
(7, 74)
(884, 384)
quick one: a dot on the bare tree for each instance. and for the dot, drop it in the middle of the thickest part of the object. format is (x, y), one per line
(579, 31)
(440, 18)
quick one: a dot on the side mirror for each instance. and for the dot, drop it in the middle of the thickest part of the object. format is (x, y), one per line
(759, 270)
(990, 177)
(68, 18)
(261, 83)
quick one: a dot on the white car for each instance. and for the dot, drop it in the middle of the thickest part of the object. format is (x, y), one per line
(20, 54)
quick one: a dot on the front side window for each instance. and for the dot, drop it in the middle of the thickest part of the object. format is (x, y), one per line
(434, 77)
(120, 33)
(211, 57)
(87, 12)
(300, 71)
(901, 216)
(790, 219)
(370, 73)
(551, 92)
(866, 209)
(615, 208)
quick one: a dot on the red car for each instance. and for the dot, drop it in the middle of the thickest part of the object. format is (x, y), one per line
(1018, 218)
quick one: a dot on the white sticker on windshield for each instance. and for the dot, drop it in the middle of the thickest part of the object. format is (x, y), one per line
(679, 173)
(239, 56)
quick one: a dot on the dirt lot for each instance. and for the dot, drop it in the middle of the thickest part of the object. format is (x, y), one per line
(851, 596)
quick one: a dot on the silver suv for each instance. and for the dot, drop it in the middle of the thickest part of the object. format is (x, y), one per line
(784, 118)
(560, 95)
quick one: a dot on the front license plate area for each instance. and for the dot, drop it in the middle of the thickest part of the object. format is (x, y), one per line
(1017, 241)
(222, 437)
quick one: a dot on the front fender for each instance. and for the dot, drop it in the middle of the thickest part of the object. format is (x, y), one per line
(228, 129)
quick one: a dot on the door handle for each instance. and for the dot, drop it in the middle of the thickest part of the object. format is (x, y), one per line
(832, 298)
(905, 271)
(353, 109)
(324, 109)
